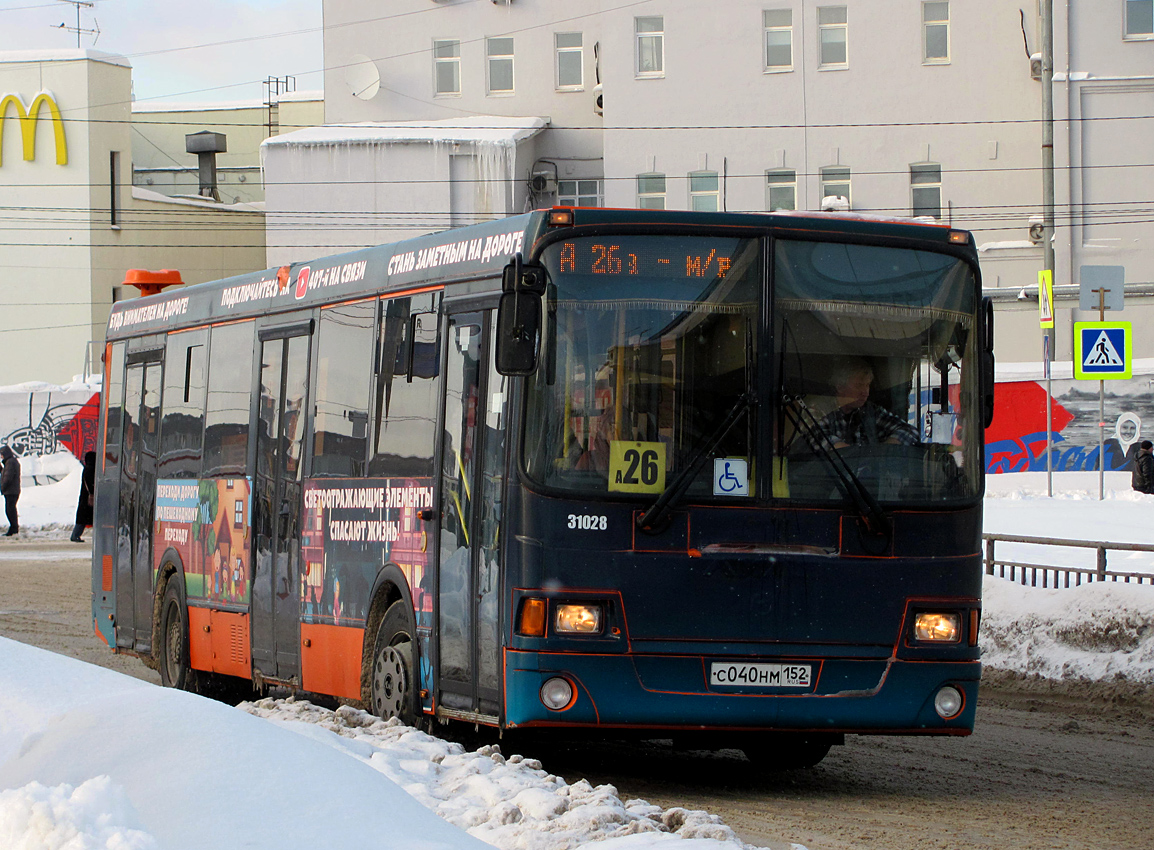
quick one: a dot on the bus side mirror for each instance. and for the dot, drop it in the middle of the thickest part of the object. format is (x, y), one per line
(519, 318)
(519, 276)
(987, 362)
(518, 333)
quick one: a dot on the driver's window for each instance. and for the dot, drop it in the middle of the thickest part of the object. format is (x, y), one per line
(853, 400)
(872, 351)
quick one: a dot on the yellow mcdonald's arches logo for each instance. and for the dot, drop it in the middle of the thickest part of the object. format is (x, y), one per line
(28, 116)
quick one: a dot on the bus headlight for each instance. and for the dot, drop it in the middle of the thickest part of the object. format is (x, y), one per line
(577, 619)
(556, 693)
(948, 702)
(937, 627)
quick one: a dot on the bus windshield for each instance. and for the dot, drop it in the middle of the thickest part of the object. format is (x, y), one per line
(878, 359)
(653, 372)
(653, 344)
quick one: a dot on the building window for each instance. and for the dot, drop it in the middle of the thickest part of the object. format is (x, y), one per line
(651, 191)
(834, 183)
(780, 190)
(650, 33)
(926, 189)
(1139, 18)
(832, 29)
(704, 191)
(447, 67)
(936, 32)
(570, 61)
(500, 53)
(237, 513)
(778, 25)
(579, 193)
(114, 188)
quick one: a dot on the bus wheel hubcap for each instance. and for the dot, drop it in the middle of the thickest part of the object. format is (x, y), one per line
(173, 646)
(389, 682)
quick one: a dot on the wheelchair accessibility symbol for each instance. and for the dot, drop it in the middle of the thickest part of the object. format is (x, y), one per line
(730, 476)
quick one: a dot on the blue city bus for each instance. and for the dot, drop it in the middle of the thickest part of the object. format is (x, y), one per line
(581, 471)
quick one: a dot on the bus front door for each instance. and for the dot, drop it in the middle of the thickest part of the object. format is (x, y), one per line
(472, 482)
(277, 503)
(137, 501)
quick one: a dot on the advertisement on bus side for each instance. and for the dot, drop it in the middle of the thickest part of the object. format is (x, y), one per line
(352, 528)
(206, 522)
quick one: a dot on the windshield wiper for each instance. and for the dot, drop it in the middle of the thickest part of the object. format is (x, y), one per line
(868, 507)
(676, 488)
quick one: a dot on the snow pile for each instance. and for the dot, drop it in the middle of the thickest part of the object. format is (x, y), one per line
(1097, 632)
(79, 383)
(511, 803)
(97, 815)
(95, 760)
(199, 774)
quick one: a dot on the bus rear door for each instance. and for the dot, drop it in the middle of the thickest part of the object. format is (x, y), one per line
(137, 500)
(471, 487)
(280, 428)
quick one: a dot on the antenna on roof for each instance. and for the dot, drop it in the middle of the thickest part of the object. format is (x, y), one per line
(79, 30)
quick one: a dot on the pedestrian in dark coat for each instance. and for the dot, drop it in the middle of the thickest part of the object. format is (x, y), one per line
(10, 488)
(1142, 475)
(87, 498)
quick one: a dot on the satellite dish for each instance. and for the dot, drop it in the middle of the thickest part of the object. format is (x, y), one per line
(362, 77)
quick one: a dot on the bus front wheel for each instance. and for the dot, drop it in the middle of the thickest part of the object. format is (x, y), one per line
(393, 684)
(175, 671)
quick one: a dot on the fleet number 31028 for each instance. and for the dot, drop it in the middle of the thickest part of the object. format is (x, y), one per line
(588, 522)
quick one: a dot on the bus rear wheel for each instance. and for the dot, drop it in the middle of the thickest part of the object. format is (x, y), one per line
(175, 671)
(788, 751)
(393, 685)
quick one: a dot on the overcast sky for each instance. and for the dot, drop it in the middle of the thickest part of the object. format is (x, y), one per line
(199, 50)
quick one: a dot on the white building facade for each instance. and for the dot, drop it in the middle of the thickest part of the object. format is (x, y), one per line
(896, 107)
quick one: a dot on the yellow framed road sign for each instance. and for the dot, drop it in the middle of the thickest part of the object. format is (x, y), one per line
(1103, 351)
(1046, 298)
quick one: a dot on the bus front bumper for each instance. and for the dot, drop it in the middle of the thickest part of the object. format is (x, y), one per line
(660, 692)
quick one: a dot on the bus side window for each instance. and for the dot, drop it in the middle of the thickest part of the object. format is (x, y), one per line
(114, 398)
(229, 388)
(344, 361)
(405, 405)
(182, 430)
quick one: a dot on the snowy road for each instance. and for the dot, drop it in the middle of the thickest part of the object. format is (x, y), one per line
(1041, 771)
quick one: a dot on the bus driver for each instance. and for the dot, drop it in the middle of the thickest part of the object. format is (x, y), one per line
(856, 420)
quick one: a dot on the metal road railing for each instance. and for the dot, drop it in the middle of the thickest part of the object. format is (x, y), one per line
(1057, 576)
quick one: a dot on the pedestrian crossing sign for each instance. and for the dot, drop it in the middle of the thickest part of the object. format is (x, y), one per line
(1103, 351)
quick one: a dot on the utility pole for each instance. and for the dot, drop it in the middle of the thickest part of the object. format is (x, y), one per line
(1048, 217)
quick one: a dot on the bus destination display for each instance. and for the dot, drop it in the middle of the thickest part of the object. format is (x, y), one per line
(662, 258)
